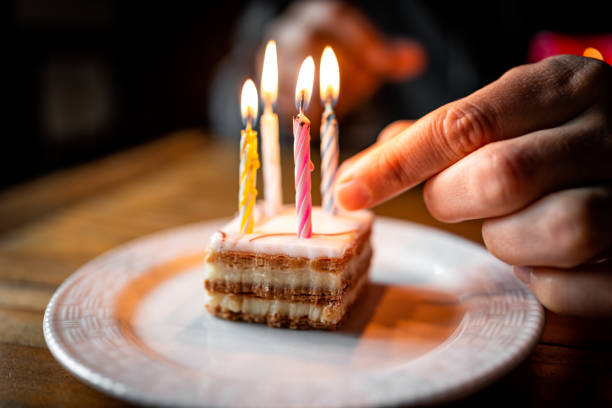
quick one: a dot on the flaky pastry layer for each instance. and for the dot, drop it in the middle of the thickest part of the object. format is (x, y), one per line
(282, 313)
(300, 285)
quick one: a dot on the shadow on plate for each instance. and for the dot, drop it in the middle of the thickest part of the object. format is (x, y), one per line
(408, 320)
(410, 312)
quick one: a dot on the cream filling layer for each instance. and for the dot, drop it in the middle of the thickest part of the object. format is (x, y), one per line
(326, 314)
(293, 279)
(303, 278)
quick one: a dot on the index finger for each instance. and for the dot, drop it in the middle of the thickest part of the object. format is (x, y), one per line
(525, 99)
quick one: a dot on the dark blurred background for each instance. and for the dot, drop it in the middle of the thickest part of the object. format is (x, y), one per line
(91, 77)
(87, 78)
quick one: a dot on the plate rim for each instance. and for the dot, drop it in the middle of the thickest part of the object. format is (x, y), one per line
(110, 386)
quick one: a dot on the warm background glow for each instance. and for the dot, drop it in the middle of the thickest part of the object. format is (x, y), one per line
(304, 82)
(248, 100)
(593, 53)
(329, 76)
(269, 76)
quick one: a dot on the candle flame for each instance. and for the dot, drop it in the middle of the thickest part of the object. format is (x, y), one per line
(329, 76)
(248, 102)
(593, 53)
(269, 76)
(303, 89)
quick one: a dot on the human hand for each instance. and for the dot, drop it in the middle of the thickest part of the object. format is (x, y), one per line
(531, 154)
(367, 58)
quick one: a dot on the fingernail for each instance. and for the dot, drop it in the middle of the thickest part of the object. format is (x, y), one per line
(353, 195)
(523, 273)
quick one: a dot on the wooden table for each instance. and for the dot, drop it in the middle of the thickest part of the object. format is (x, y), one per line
(51, 226)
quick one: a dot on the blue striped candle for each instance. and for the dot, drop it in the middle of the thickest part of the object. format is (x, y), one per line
(329, 80)
(329, 157)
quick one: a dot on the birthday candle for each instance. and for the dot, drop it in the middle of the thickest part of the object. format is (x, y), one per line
(249, 160)
(301, 149)
(329, 80)
(269, 133)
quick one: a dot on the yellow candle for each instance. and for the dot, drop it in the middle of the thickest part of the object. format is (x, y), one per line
(249, 160)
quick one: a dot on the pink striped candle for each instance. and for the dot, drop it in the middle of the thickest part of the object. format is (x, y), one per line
(301, 150)
(303, 167)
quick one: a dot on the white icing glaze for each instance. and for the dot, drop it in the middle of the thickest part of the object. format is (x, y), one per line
(229, 238)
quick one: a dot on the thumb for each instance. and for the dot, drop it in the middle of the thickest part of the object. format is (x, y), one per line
(582, 291)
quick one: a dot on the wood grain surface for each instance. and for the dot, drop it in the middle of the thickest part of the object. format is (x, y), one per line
(51, 226)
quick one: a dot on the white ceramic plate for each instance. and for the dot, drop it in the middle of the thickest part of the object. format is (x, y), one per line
(441, 318)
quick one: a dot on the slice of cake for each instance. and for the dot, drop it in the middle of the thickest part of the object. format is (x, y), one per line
(271, 276)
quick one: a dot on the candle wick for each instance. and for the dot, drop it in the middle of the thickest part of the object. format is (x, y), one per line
(249, 121)
(301, 103)
(268, 107)
(328, 102)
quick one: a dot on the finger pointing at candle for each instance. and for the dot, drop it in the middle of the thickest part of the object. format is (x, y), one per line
(301, 149)
(527, 99)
